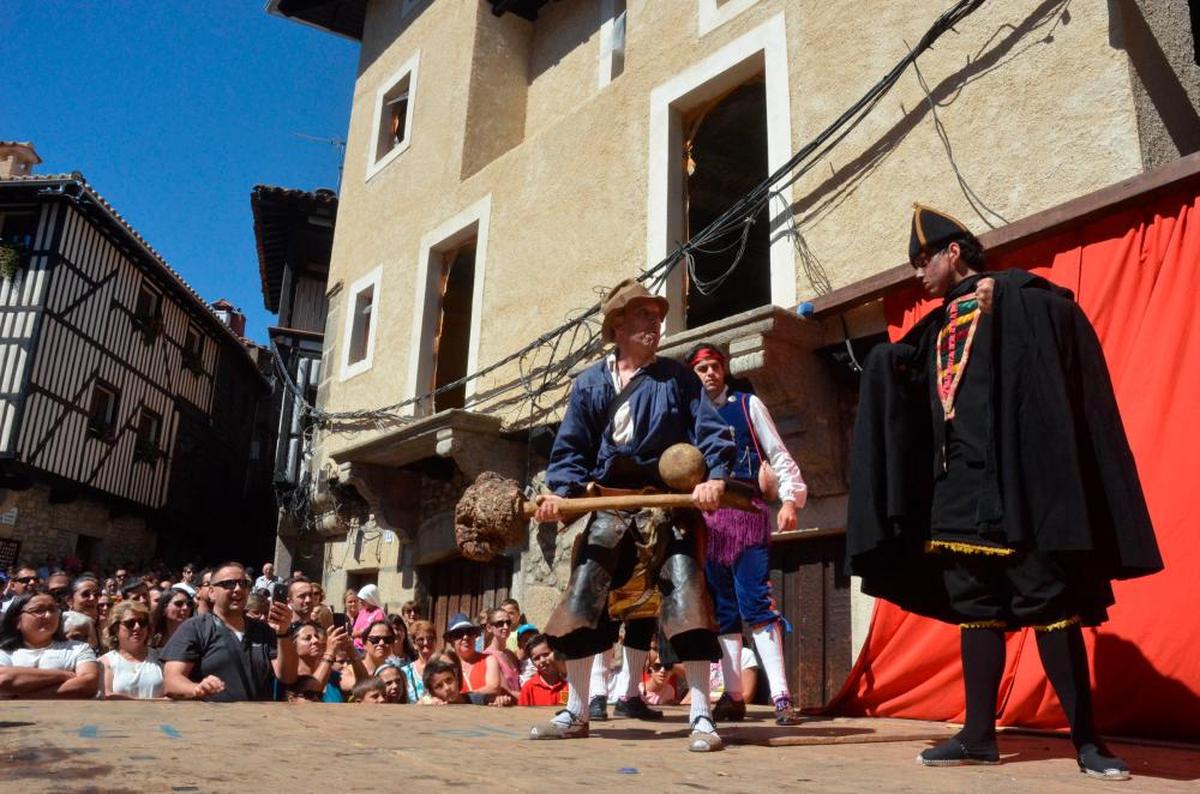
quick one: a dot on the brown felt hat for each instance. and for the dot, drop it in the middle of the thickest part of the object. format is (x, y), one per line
(620, 296)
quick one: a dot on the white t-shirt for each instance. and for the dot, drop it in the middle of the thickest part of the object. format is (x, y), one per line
(716, 676)
(58, 655)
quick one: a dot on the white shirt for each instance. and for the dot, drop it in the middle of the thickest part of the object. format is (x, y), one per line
(791, 484)
(622, 421)
(141, 680)
(58, 655)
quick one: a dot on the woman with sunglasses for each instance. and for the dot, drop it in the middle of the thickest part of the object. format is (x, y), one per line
(173, 608)
(377, 639)
(506, 673)
(424, 638)
(36, 659)
(131, 668)
(317, 669)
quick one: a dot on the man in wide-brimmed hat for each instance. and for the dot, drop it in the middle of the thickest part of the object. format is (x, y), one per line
(630, 565)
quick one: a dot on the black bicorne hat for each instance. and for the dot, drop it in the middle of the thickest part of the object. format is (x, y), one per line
(932, 230)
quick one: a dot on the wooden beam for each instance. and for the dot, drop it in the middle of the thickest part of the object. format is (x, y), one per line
(1178, 174)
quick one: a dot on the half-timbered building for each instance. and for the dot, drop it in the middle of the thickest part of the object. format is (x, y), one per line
(126, 405)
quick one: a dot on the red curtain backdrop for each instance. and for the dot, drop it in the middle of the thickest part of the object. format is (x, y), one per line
(1136, 274)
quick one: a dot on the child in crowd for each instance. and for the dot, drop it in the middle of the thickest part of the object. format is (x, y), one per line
(372, 690)
(548, 686)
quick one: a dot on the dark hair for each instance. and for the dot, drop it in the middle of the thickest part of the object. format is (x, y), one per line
(297, 627)
(970, 250)
(81, 580)
(10, 632)
(158, 618)
(295, 580)
(372, 684)
(536, 639)
(512, 601)
(436, 666)
(381, 622)
(24, 566)
(398, 624)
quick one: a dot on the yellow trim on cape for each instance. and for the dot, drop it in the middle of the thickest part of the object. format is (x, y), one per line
(984, 624)
(1058, 625)
(934, 546)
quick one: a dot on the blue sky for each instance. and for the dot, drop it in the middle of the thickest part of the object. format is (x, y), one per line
(174, 111)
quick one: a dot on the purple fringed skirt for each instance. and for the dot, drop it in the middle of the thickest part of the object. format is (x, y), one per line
(732, 531)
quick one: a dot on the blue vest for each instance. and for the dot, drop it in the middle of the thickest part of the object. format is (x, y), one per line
(735, 413)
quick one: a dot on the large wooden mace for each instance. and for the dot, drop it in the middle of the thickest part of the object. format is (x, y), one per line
(493, 513)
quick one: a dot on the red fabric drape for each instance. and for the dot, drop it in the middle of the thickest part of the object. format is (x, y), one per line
(1136, 274)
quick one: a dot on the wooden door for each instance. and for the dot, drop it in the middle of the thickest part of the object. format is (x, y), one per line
(461, 585)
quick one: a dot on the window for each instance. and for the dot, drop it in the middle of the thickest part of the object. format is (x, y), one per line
(714, 13)
(393, 117)
(193, 349)
(18, 230)
(360, 326)
(102, 414)
(452, 344)
(148, 302)
(149, 430)
(612, 40)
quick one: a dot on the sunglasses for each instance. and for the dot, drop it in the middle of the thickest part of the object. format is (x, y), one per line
(378, 639)
(135, 623)
(657, 667)
(501, 624)
(232, 584)
(27, 579)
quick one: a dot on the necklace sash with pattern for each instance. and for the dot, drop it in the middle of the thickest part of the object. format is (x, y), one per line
(954, 348)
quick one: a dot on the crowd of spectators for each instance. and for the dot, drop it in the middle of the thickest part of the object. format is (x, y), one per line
(217, 634)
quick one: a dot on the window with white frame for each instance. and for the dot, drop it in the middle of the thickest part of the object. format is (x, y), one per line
(714, 13)
(361, 324)
(393, 120)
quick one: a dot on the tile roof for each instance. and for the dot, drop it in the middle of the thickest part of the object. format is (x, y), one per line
(77, 178)
(273, 208)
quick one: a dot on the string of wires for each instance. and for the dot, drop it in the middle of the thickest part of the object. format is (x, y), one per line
(576, 339)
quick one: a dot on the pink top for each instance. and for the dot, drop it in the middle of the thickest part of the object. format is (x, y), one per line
(510, 677)
(366, 616)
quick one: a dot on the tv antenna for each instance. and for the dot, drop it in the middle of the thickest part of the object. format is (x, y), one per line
(338, 144)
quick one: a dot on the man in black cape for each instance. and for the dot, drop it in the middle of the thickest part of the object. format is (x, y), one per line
(992, 485)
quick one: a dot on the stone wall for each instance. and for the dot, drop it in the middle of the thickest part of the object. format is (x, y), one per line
(44, 527)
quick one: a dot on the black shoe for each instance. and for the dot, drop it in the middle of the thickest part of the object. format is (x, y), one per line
(636, 709)
(1098, 762)
(952, 752)
(726, 709)
(598, 708)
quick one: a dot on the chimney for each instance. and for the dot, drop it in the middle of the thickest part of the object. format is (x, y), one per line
(232, 316)
(17, 158)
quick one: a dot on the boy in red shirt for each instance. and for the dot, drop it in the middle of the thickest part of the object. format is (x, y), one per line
(548, 687)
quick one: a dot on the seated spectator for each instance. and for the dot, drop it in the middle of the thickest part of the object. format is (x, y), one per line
(85, 597)
(410, 611)
(155, 593)
(306, 690)
(104, 604)
(317, 654)
(131, 669)
(165, 584)
(506, 673)
(513, 608)
(300, 599)
(225, 656)
(442, 682)
(659, 686)
(258, 605)
(321, 613)
(394, 689)
(136, 590)
(370, 611)
(461, 635)
(204, 592)
(402, 649)
(370, 690)
(78, 626)
(378, 643)
(173, 608)
(267, 579)
(352, 607)
(424, 637)
(548, 686)
(525, 632)
(187, 575)
(58, 584)
(110, 587)
(24, 580)
(36, 659)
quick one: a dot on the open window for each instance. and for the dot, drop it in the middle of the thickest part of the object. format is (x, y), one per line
(393, 117)
(102, 411)
(452, 342)
(360, 327)
(147, 312)
(18, 232)
(193, 350)
(614, 17)
(725, 151)
(149, 432)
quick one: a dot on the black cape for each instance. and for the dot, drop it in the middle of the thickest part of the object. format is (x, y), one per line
(1059, 476)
